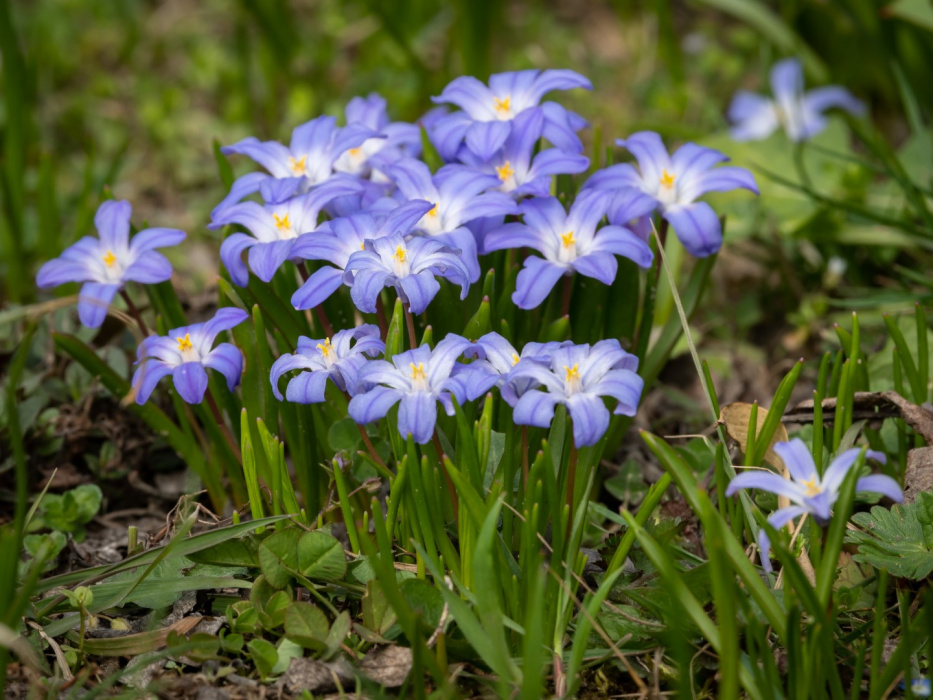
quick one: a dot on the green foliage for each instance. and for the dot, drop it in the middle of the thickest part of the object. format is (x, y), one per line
(70, 511)
(899, 539)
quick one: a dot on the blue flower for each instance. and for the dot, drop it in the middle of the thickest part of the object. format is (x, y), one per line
(309, 159)
(185, 353)
(107, 263)
(495, 360)
(488, 112)
(396, 140)
(275, 227)
(569, 243)
(410, 267)
(418, 379)
(520, 170)
(459, 196)
(335, 359)
(806, 489)
(675, 182)
(578, 376)
(335, 241)
(800, 113)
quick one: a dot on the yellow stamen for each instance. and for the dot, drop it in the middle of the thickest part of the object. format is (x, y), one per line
(503, 105)
(417, 372)
(109, 258)
(363, 246)
(355, 151)
(573, 373)
(515, 359)
(433, 211)
(505, 171)
(326, 348)
(185, 343)
(567, 240)
(667, 179)
(812, 487)
(400, 253)
(281, 222)
(299, 167)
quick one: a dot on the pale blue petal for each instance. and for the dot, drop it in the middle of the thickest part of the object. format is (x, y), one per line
(228, 360)
(535, 281)
(93, 301)
(190, 381)
(697, 227)
(373, 405)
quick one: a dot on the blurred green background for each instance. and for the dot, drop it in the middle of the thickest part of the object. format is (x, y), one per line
(132, 94)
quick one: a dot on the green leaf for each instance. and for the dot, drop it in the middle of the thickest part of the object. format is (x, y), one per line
(344, 435)
(69, 511)
(423, 598)
(307, 625)
(242, 552)
(338, 633)
(899, 540)
(264, 655)
(278, 556)
(321, 557)
(378, 616)
(243, 617)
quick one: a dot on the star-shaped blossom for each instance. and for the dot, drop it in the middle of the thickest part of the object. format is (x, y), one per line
(520, 170)
(675, 183)
(809, 492)
(495, 358)
(569, 242)
(396, 140)
(185, 353)
(488, 111)
(104, 265)
(274, 228)
(309, 158)
(801, 114)
(338, 359)
(335, 241)
(409, 266)
(579, 376)
(416, 380)
(459, 196)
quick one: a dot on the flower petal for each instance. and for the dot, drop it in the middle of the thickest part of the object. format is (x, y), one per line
(190, 381)
(265, 259)
(308, 387)
(535, 281)
(243, 186)
(149, 268)
(798, 460)
(879, 483)
(621, 241)
(485, 138)
(373, 405)
(753, 117)
(417, 416)
(317, 288)
(112, 221)
(231, 253)
(93, 301)
(535, 408)
(590, 418)
(151, 238)
(697, 227)
(767, 481)
(61, 271)
(649, 151)
(227, 359)
(147, 376)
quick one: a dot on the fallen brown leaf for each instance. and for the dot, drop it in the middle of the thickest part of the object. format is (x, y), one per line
(735, 416)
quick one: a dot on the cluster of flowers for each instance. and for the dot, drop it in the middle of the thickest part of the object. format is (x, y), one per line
(357, 200)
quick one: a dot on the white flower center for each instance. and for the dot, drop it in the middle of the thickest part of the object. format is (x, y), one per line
(187, 349)
(503, 107)
(419, 378)
(667, 188)
(400, 262)
(567, 251)
(284, 228)
(572, 381)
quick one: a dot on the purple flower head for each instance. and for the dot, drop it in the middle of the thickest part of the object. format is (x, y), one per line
(107, 263)
(335, 241)
(521, 172)
(578, 376)
(418, 379)
(675, 182)
(395, 141)
(569, 243)
(806, 489)
(488, 111)
(185, 353)
(410, 267)
(309, 159)
(801, 114)
(459, 196)
(275, 227)
(495, 360)
(335, 359)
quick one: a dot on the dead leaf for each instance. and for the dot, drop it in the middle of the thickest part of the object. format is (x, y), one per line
(735, 417)
(133, 644)
(918, 476)
(873, 406)
(388, 666)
